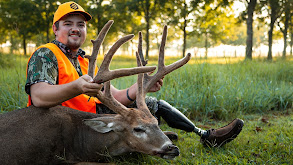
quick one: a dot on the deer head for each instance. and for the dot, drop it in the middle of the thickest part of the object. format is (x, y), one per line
(138, 126)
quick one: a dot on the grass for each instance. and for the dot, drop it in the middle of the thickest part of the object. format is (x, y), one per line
(216, 90)
(265, 139)
(12, 82)
(210, 92)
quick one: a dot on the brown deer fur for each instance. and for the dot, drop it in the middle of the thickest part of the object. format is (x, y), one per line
(51, 136)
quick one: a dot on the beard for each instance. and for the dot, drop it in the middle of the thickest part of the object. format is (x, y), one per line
(74, 45)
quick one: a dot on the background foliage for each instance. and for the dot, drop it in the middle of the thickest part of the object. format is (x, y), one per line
(191, 23)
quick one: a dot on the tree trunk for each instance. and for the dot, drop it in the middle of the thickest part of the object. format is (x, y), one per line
(47, 28)
(291, 42)
(287, 18)
(270, 33)
(249, 30)
(273, 16)
(184, 30)
(12, 44)
(47, 22)
(206, 45)
(184, 39)
(100, 25)
(285, 44)
(48, 34)
(147, 18)
(24, 44)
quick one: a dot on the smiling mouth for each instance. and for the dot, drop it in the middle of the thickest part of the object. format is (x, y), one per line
(74, 35)
(77, 34)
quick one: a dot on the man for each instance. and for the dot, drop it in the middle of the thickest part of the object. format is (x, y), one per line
(57, 74)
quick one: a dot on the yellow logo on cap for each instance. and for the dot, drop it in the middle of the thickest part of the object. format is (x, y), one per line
(74, 6)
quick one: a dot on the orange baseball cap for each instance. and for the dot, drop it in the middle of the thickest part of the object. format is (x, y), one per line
(70, 7)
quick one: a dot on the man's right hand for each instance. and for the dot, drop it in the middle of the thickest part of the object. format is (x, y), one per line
(46, 95)
(87, 86)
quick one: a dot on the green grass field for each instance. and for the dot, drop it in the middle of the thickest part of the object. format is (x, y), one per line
(211, 92)
(265, 139)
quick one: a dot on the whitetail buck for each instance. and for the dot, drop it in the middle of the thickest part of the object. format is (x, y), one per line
(61, 135)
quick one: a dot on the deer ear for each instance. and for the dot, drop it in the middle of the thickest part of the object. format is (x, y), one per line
(103, 124)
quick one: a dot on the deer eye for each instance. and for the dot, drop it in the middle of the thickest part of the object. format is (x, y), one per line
(138, 129)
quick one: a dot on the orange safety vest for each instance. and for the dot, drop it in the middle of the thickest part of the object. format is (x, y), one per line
(66, 74)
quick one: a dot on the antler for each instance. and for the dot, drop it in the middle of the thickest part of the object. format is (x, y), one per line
(145, 81)
(96, 47)
(143, 62)
(105, 74)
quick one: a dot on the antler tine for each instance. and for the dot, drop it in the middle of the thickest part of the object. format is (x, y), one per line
(104, 73)
(149, 81)
(161, 62)
(162, 69)
(96, 47)
(144, 62)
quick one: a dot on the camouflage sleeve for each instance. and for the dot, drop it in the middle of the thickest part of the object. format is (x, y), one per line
(42, 67)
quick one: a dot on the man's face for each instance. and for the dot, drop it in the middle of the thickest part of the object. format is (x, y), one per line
(71, 31)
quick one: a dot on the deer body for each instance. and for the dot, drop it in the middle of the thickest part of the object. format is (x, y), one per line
(49, 136)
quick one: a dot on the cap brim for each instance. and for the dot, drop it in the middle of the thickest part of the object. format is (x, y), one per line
(86, 15)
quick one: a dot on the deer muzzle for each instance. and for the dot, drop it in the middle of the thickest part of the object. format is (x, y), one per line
(168, 151)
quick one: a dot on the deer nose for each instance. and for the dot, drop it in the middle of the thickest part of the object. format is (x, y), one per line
(168, 151)
(171, 147)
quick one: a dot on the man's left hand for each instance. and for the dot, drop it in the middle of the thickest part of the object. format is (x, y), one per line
(157, 86)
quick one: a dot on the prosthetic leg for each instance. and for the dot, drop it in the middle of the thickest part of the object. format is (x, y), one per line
(213, 137)
(175, 119)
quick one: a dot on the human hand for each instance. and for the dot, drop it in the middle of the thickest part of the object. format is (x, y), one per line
(86, 85)
(157, 86)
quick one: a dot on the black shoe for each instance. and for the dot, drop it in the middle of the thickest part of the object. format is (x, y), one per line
(219, 137)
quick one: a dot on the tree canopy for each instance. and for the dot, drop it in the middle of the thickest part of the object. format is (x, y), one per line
(192, 23)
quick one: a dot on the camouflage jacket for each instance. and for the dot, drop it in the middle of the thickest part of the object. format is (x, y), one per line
(43, 65)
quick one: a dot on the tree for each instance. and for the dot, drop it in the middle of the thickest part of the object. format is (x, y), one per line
(24, 20)
(149, 9)
(101, 13)
(291, 32)
(129, 22)
(3, 31)
(274, 12)
(214, 23)
(284, 20)
(46, 8)
(249, 30)
(180, 15)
